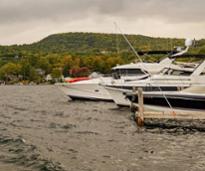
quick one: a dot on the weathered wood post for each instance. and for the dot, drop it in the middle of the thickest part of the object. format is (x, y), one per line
(140, 113)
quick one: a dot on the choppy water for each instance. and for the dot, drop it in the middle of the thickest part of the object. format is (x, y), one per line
(41, 131)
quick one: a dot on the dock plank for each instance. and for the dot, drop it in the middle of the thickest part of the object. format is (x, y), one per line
(169, 115)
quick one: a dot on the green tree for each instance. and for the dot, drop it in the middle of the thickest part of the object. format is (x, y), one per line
(56, 73)
(29, 72)
(10, 71)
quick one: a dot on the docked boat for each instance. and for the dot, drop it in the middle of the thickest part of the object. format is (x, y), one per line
(92, 89)
(191, 99)
(172, 79)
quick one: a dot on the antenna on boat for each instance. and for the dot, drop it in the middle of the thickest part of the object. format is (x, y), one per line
(188, 44)
(117, 41)
(126, 39)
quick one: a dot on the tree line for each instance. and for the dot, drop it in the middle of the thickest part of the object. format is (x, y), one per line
(77, 54)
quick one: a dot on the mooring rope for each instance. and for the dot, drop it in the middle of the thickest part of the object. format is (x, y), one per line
(140, 59)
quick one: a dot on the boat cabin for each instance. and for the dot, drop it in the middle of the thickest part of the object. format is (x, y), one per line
(129, 70)
(177, 71)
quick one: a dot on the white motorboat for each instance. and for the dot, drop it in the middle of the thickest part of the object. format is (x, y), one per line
(91, 89)
(170, 79)
(189, 100)
(87, 89)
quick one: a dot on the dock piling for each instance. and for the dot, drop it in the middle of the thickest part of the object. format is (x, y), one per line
(140, 114)
(165, 119)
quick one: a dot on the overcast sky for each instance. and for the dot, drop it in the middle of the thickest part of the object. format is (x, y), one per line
(27, 21)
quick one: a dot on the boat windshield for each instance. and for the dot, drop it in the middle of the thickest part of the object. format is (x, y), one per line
(170, 71)
(117, 73)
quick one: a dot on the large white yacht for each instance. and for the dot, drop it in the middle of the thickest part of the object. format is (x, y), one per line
(92, 88)
(189, 100)
(170, 80)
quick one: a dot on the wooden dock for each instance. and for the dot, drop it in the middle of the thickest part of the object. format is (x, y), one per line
(144, 117)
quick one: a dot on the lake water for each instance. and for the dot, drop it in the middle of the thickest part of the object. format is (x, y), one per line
(40, 130)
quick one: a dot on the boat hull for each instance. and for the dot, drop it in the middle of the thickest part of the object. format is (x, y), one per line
(94, 92)
(178, 101)
(119, 96)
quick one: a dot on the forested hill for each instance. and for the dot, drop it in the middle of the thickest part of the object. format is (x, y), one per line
(95, 43)
(67, 53)
(100, 43)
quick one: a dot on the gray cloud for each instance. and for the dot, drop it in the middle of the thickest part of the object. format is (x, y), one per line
(24, 14)
(169, 10)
